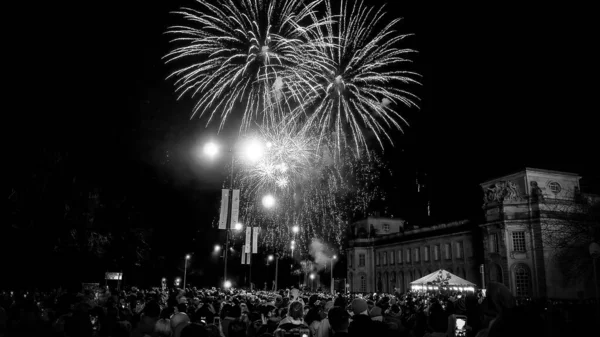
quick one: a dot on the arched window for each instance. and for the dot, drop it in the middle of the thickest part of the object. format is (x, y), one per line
(379, 285)
(392, 282)
(521, 280)
(496, 273)
(385, 283)
(402, 285)
(363, 283)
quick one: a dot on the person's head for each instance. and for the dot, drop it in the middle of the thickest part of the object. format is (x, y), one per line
(359, 306)
(296, 310)
(235, 312)
(163, 327)
(339, 319)
(182, 307)
(237, 328)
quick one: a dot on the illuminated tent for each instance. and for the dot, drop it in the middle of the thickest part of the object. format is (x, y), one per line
(431, 282)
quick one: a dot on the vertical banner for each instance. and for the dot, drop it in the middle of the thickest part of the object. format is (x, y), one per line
(235, 208)
(224, 209)
(248, 243)
(244, 254)
(248, 258)
(255, 240)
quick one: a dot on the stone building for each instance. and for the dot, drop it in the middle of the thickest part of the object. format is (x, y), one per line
(522, 211)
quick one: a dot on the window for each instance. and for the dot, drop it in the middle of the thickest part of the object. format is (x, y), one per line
(377, 258)
(392, 255)
(518, 241)
(426, 253)
(436, 252)
(386, 227)
(385, 258)
(407, 255)
(494, 248)
(400, 256)
(361, 260)
(447, 251)
(459, 250)
(363, 284)
(417, 252)
(554, 187)
(522, 280)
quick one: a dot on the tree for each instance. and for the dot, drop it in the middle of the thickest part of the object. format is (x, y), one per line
(567, 227)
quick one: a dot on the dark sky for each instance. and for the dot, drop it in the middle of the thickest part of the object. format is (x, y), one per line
(504, 87)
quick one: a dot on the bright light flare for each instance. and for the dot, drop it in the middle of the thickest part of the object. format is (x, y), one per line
(227, 284)
(295, 229)
(211, 149)
(187, 257)
(270, 257)
(217, 248)
(253, 150)
(335, 257)
(238, 226)
(268, 201)
(312, 276)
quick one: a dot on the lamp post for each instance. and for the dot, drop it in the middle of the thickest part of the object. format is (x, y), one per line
(332, 259)
(253, 150)
(595, 253)
(187, 257)
(295, 230)
(312, 282)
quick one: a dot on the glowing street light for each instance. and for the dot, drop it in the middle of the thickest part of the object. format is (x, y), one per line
(270, 257)
(253, 150)
(295, 229)
(334, 257)
(268, 201)
(187, 257)
(238, 226)
(227, 284)
(211, 149)
(217, 248)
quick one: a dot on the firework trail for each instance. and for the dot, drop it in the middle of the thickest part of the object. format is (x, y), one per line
(248, 55)
(321, 194)
(364, 80)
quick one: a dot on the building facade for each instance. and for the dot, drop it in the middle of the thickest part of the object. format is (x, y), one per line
(523, 211)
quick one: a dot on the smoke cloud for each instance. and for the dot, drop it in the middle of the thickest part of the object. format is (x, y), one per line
(319, 251)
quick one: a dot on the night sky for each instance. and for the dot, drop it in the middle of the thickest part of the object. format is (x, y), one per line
(503, 88)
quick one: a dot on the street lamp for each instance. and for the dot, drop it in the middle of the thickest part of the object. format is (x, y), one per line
(238, 226)
(253, 150)
(312, 283)
(595, 253)
(227, 284)
(187, 257)
(217, 248)
(295, 229)
(177, 281)
(332, 259)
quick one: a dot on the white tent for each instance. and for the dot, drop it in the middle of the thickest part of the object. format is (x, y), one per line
(428, 282)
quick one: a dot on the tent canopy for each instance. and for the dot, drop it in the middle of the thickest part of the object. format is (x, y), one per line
(453, 281)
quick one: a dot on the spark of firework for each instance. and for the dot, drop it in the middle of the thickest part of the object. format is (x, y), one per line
(364, 81)
(321, 195)
(250, 55)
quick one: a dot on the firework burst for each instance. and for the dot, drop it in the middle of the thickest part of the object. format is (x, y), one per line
(363, 82)
(250, 55)
(321, 194)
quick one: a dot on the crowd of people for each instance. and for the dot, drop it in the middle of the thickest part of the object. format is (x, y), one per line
(242, 313)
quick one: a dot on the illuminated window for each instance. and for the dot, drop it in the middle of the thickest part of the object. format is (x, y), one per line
(459, 250)
(518, 241)
(417, 253)
(361, 260)
(363, 284)
(386, 227)
(407, 255)
(554, 187)
(400, 256)
(522, 280)
(426, 253)
(392, 257)
(436, 252)
(447, 251)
